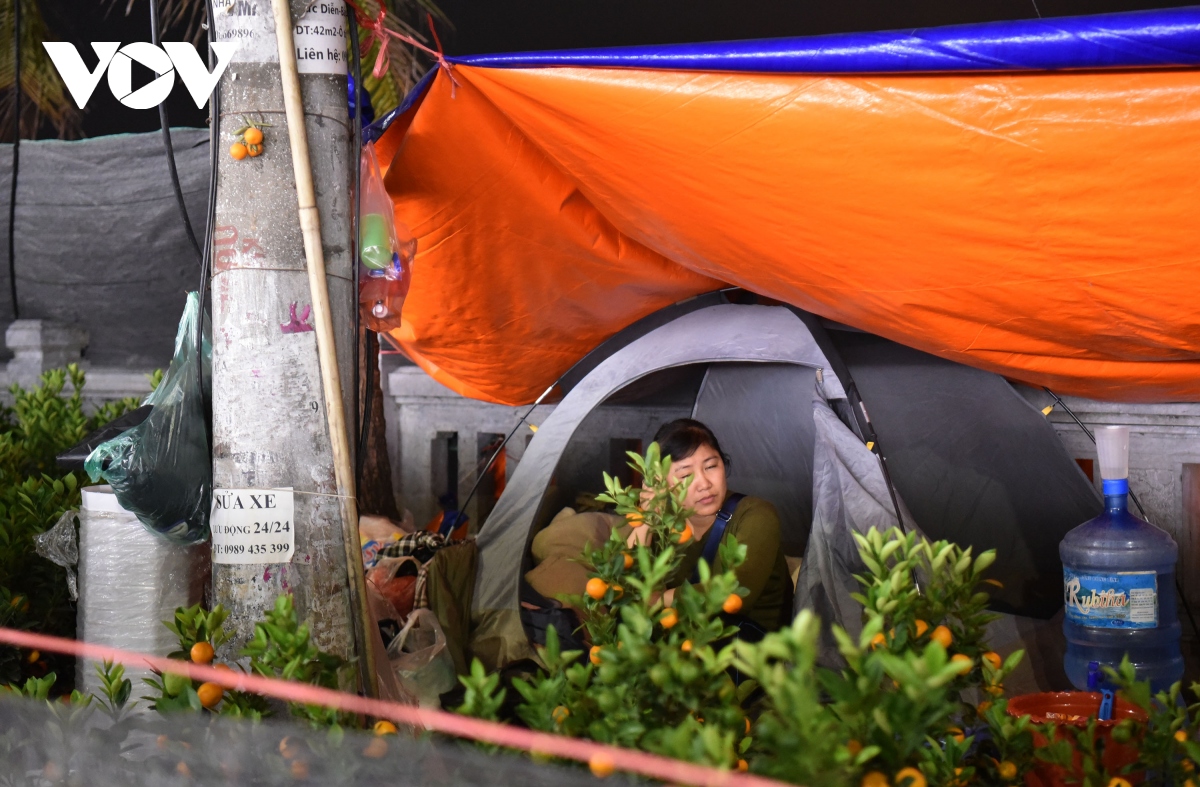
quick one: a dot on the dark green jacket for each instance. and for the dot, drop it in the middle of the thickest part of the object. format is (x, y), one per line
(755, 524)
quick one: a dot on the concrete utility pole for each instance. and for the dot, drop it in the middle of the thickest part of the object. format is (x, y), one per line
(270, 431)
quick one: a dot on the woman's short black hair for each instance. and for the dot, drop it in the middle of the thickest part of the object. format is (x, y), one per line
(680, 438)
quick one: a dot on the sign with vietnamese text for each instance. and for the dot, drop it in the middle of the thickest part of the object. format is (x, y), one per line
(253, 525)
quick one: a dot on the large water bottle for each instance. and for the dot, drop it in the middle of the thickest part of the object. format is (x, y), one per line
(1119, 582)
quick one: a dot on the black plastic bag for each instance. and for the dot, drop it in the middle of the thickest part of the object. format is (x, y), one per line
(161, 469)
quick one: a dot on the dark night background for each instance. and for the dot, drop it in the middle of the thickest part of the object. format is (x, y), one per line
(482, 26)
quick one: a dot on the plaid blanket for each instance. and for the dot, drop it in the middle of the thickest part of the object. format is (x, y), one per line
(421, 545)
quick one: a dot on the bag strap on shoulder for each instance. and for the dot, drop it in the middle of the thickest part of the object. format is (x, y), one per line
(716, 533)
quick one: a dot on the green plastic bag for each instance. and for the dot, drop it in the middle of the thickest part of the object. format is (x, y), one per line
(161, 469)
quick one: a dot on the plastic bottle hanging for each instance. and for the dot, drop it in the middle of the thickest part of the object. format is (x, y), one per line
(386, 251)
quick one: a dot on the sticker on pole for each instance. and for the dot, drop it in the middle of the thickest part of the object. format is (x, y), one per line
(250, 24)
(253, 525)
(319, 34)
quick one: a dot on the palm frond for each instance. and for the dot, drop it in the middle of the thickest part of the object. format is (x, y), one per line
(44, 96)
(406, 64)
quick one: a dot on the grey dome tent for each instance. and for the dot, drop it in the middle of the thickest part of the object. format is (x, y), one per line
(970, 459)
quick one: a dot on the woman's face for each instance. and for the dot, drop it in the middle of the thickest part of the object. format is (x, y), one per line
(705, 467)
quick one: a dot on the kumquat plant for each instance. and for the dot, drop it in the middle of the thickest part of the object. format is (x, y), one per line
(918, 700)
(656, 677)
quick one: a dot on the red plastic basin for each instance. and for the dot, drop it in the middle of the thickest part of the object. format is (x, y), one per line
(1076, 708)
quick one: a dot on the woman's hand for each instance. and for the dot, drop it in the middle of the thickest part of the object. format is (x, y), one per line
(638, 536)
(667, 597)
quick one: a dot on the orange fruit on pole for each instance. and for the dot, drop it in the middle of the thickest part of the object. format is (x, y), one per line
(596, 588)
(254, 150)
(253, 136)
(238, 151)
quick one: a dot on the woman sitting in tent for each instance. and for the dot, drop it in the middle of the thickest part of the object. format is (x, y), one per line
(719, 515)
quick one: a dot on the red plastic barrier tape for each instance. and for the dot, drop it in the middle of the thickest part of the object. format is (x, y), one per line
(651, 765)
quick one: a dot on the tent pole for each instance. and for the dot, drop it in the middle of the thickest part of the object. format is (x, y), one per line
(462, 510)
(310, 227)
(866, 428)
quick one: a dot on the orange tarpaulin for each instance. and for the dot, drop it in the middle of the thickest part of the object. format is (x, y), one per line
(1041, 226)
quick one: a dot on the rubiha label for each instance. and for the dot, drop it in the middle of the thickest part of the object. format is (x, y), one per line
(1127, 600)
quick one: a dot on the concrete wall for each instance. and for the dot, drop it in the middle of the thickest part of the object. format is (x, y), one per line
(37, 346)
(419, 409)
(422, 412)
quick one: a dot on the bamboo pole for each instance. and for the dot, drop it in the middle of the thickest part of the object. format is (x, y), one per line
(322, 317)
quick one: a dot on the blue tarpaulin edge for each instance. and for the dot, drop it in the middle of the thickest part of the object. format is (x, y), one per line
(1161, 38)
(1136, 39)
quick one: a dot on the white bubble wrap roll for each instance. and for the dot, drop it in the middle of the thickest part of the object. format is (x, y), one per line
(130, 581)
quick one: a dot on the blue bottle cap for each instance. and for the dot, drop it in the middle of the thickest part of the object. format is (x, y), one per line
(1115, 486)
